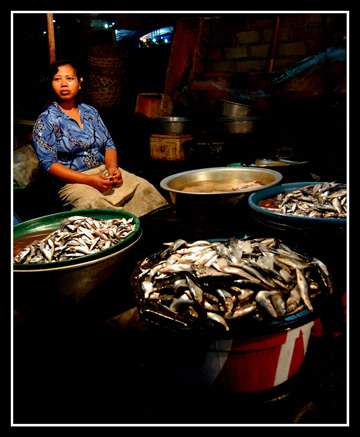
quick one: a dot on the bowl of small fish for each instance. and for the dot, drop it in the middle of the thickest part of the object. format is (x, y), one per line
(248, 300)
(302, 206)
(203, 190)
(73, 251)
(238, 286)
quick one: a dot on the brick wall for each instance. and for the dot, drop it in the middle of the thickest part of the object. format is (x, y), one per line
(242, 43)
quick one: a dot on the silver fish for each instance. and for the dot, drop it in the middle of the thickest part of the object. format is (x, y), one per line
(319, 200)
(218, 319)
(77, 236)
(304, 289)
(263, 299)
(173, 247)
(324, 273)
(195, 290)
(22, 255)
(292, 262)
(181, 304)
(226, 299)
(242, 293)
(293, 301)
(278, 302)
(46, 251)
(269, 278)
(240, 312)
(235, 250)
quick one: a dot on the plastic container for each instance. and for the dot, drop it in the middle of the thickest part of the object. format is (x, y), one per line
(285, 222)
(235, 164)
(74, 278)
(252, 356)
(254, 364)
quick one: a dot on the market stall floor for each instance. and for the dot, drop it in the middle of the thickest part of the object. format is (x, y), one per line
(97, 362)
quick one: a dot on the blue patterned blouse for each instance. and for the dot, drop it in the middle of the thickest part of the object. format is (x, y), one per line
(58, 138)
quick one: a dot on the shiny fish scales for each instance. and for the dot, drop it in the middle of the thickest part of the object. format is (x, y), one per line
(240, 278)
(77, 236)
(323, 200)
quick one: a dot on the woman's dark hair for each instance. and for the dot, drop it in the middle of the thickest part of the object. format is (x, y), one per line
(55, 66)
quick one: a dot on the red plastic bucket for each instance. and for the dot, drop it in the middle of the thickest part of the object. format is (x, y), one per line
(254, 364)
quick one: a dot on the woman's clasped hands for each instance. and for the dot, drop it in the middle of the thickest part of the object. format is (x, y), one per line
(104, 183)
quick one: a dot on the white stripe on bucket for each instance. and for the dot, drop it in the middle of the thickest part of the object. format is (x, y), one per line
(287, 350)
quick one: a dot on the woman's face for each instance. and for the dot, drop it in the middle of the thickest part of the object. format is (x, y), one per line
(65, 83)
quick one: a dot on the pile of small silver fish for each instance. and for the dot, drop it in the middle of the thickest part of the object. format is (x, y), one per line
(77, 236)
(223, 281)
(323, 200)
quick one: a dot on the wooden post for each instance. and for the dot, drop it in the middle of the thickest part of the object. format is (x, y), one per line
(276, 32)
(51, 38)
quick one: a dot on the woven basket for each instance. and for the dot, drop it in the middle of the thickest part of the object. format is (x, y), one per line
(104, 50)
(104, 91)
(107, 65)
(107, 60)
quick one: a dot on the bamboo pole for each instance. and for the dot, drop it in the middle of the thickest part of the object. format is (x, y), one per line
(274, 43)
(51, 37)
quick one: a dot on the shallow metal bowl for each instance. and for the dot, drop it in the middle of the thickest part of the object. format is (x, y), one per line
(197, 204)
(228, 109)
(171, 125)
(292, 171)
(243, 125)
(177, 182)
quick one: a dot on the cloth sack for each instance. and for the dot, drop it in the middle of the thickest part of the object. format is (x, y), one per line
(26, 167)
(135, 194)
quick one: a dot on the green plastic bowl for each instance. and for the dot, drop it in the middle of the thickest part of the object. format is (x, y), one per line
(39, 284)
(50, 223)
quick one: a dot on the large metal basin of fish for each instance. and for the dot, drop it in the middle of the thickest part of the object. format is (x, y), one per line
(286, 222)
(72, 278)
(191, 199)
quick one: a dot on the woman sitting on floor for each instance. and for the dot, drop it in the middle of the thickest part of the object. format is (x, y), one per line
(74, 145)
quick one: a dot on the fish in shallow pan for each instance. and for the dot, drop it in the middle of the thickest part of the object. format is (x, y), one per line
(324, 200)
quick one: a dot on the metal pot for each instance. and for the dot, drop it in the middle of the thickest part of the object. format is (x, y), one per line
(171, 125)
(242, 125)
(227, 109)
(292, 171)
(200, 206)
(270, 163)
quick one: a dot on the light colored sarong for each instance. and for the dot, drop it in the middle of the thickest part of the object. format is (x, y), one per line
(135, 194)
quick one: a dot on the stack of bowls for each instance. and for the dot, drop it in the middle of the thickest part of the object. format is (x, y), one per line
(237, 118)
